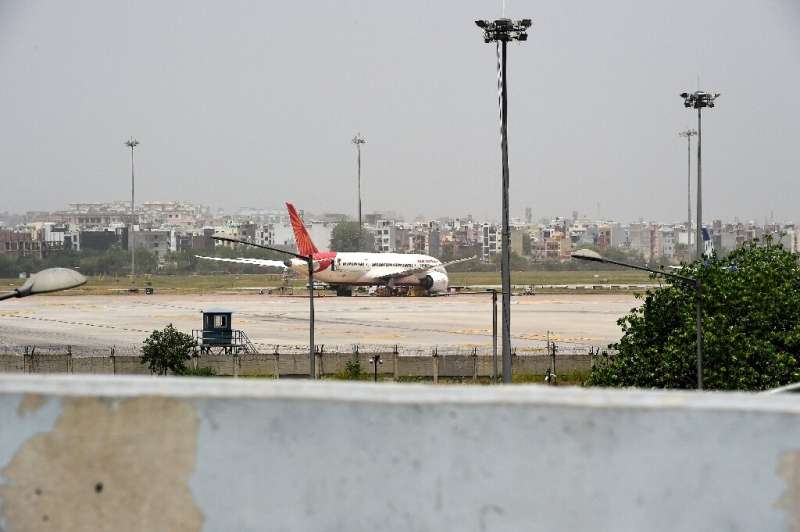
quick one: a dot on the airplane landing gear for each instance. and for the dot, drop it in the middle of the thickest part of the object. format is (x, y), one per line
(344, 291)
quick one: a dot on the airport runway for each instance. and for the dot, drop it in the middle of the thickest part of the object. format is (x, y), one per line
(462, 321)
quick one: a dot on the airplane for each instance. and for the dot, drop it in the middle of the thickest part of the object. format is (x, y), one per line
(708, 247)
(345, 270)
(708, 244)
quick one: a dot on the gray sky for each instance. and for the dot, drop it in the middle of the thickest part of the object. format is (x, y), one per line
(244, 103)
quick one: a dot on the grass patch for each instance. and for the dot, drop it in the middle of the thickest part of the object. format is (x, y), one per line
(590, 277)
(199, 284)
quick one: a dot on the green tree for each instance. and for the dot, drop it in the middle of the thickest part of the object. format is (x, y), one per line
(348, 236)
(146, 261)
(751, 327)
(518, 263)
(167, 350)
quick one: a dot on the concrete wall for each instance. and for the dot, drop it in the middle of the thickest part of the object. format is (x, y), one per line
(148, 453)
(296, 364)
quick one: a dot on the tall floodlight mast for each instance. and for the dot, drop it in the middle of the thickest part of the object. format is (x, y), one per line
(699, 100)
(688, 134)
(132, 143)
(358, 140)
(501, 31)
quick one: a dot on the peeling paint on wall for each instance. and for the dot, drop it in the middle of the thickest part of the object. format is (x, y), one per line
(106, 465)
(32, 402)
(789, 470)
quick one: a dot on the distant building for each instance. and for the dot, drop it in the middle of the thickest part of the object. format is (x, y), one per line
(158, 242)
(490, 242)
(516, 242)
(19, 243)
(102, 240)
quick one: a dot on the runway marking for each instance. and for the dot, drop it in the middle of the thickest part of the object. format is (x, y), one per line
(276, 317)
(65, 322)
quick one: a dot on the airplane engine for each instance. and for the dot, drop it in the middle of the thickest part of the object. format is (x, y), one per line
(435, 282)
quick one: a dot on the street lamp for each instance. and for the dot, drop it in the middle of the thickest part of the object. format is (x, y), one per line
(358, 140)
(688, 134)
(588, 254)
(310, 262)
(49, 280)
(699, 100)
(132, 143)
(501, 31)
(375, 360)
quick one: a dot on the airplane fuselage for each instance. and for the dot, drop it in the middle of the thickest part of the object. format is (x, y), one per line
(367, 269)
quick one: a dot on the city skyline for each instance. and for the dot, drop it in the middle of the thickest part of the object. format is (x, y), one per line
(243, 212)
(224, 113)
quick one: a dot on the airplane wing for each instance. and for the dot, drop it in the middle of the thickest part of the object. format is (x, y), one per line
(253, 262)
(421, 269)
(404, 273)
(459, 261)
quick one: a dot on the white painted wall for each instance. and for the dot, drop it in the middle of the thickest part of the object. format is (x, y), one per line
(351, 456)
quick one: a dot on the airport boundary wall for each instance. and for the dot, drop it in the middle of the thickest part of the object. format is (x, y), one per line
(129, 453)
(296, 364)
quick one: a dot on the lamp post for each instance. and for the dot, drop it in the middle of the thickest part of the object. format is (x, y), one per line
(688, 134)
(587, 254)
(310, 263)
(49, 280)
(501, 31)
(358, 140)
(699, 100)
(375, 360)
(132, 143)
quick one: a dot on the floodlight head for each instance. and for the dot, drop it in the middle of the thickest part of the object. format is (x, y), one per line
(588, 254)
(504, 29)
(50, 280)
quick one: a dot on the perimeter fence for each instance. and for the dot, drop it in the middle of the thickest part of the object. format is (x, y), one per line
(282, 361)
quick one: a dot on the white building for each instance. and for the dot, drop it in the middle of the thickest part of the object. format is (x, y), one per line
(490, 242)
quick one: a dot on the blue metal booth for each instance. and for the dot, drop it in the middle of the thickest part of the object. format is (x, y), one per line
(218, 335)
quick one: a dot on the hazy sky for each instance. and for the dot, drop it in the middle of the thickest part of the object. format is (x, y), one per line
(246, 103)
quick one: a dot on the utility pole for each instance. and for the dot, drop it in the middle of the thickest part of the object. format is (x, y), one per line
(358, 140)
(699, 100)
(688, 134)
(132, 143)
(501, 31)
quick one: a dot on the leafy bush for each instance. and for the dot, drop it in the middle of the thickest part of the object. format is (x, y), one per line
(352, 369)
(167, 350)
(750, 320)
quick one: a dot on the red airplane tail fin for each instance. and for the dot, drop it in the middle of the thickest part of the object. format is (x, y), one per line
(304, 244)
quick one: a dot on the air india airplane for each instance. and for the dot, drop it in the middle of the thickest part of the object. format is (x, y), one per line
(347, 269)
